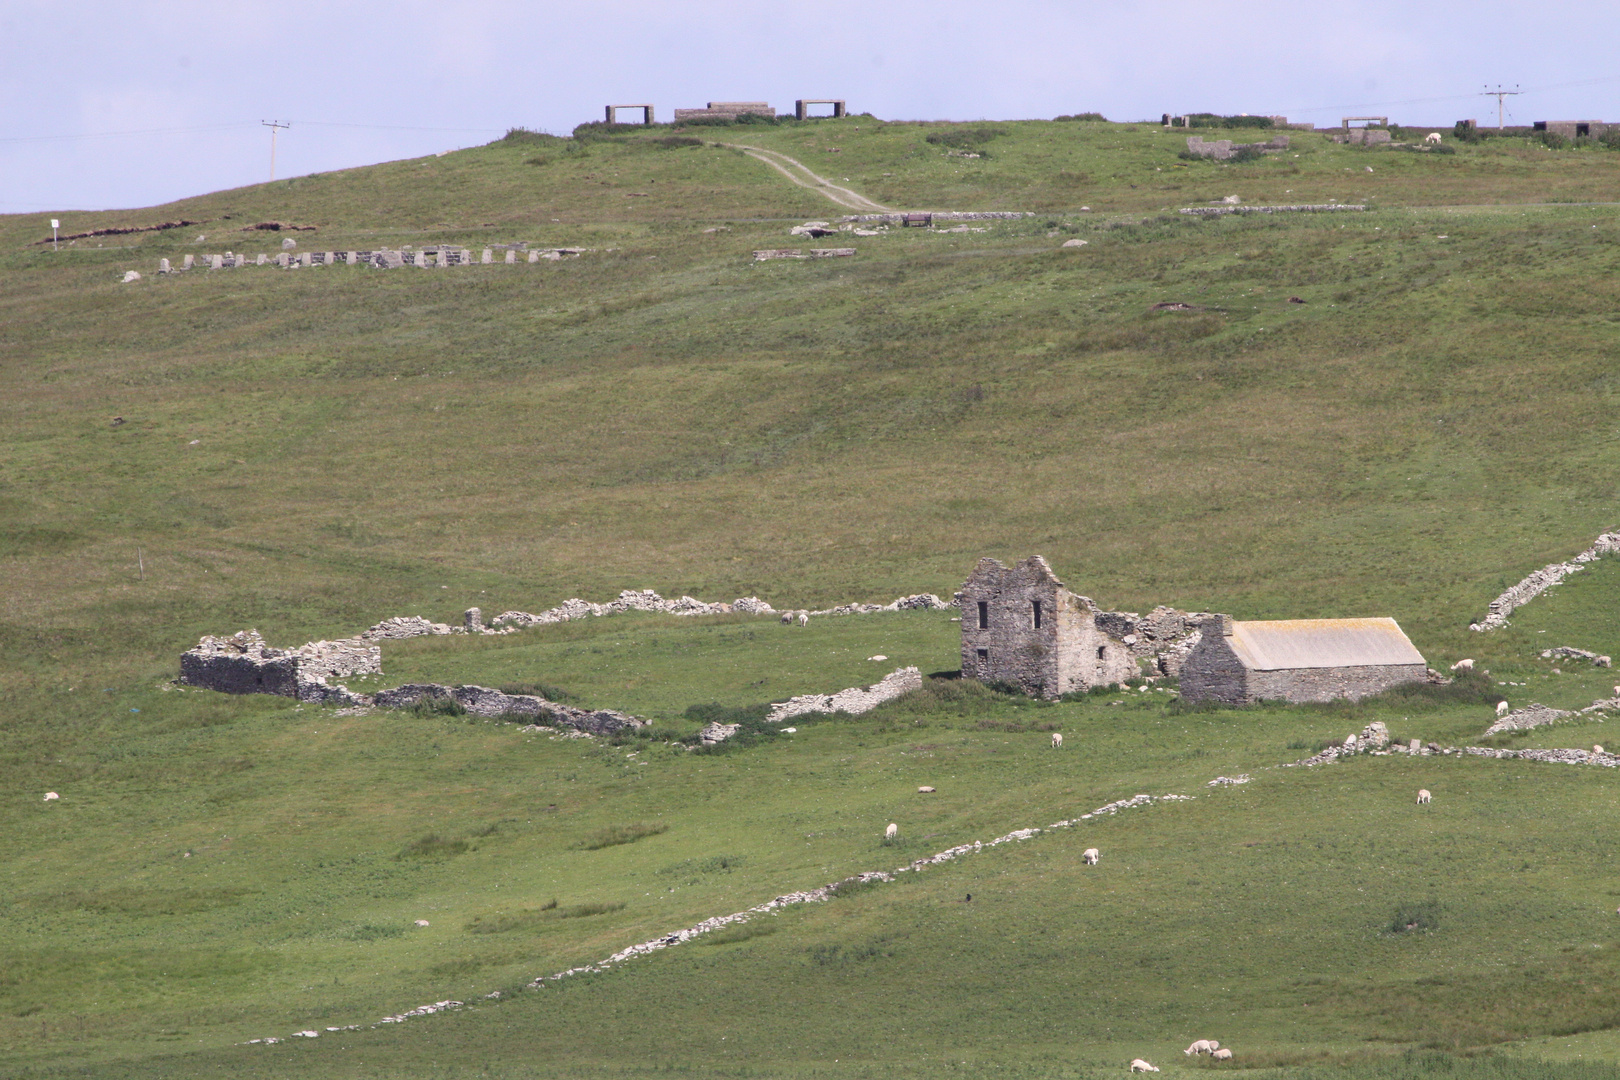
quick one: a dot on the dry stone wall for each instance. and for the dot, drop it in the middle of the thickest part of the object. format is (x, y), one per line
(483, 701)
(854, 701)
(1542, 580)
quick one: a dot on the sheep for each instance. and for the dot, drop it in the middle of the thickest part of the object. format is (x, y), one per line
(1091, 855)
(787, 617)
(1463, 665)
(1423, 796)
(1223, 1054)
(1057, 740)
(1432, 138)
(421, 922)
(804, 618)
(1597, 749)
(1138, 1065)
(1202, 1046)
(891, 832)
(1501, 708)
(51, 796)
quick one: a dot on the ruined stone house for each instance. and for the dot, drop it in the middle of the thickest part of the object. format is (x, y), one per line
(1022, 626)
(1298, 660)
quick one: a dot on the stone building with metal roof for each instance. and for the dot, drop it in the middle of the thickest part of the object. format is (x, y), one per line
(1299, 660)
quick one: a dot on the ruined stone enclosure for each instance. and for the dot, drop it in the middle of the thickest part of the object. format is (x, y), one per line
(1023, 627)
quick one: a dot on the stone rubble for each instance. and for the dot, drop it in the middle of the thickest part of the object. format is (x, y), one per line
(1533, 715)
(940, 215)
(1242, 778)
(1300, 208)
(1568, 652)
(853, 701)
(1166, 635)
(483, 701)
(1541, 580)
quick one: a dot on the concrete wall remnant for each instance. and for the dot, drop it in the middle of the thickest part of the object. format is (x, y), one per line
(726, 110)
(1362, 137)
(1223, 149)
(1022, 626)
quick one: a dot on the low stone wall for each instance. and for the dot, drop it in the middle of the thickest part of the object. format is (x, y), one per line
(942, 215)
(854, 701)
(1542, 580)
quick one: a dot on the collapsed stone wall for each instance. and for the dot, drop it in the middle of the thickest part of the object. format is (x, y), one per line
(483, 701)
(240, 664)
(1223, 149)
(854, 701)
(1165, 635)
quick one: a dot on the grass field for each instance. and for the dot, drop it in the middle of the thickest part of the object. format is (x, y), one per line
(309, 452)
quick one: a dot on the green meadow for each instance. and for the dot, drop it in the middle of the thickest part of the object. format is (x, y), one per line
(1397, 411)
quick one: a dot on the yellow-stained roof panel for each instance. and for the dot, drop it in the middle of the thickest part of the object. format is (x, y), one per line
(1284, 644)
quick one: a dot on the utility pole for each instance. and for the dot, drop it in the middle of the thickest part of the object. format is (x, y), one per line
(1499, 94)
(274, 126)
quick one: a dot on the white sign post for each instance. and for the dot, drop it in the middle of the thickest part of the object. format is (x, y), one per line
(54, 226)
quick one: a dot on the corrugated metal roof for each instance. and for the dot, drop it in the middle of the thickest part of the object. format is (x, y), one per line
(1315, 643)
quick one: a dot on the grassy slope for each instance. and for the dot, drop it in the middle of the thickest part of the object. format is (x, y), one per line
(1429, 426)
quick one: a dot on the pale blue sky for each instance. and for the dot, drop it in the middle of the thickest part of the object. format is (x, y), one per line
(131, 104)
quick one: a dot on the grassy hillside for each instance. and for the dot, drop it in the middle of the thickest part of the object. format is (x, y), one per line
(308, 452)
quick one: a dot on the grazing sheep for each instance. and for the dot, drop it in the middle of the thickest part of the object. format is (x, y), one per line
(421, 922)
(51, 796)
(1057, 740)
(1138, 1065)
(891, 832)
(1223, 1054)
(804, 618)
(1202, 1046)
(1091, 855)
(787, 617)
(1423, 796)
(1598, 749)
(1463, 665)
(1501, 708)
(1432, 138)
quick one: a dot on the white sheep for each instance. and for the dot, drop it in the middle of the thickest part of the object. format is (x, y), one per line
(1202, 1046)
(1463, 665)
(1222, 1054)
(891, 832)
(1057, 740)
(1138, 1065)
(421, 922)
(804, 618)
(1501, 708)
(1598, 749)
(787, 617)
(51, 796)
(1091, 855)
(1432, 138)
(1423, 796)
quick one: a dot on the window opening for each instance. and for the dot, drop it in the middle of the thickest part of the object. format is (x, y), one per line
(984, 654)
(1037, 604)
(984, 615)
(1100, 650)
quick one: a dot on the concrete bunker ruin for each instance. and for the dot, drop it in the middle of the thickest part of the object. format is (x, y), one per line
(612, 113)
(801, 107)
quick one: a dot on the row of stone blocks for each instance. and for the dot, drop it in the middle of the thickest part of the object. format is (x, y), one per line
(383, 260)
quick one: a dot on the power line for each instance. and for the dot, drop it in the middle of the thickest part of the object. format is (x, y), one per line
(1455, 97)
(275, 127)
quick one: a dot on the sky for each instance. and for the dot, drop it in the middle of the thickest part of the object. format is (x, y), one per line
(126, 105)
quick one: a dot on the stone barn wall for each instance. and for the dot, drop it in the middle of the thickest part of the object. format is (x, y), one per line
(1330, 683)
